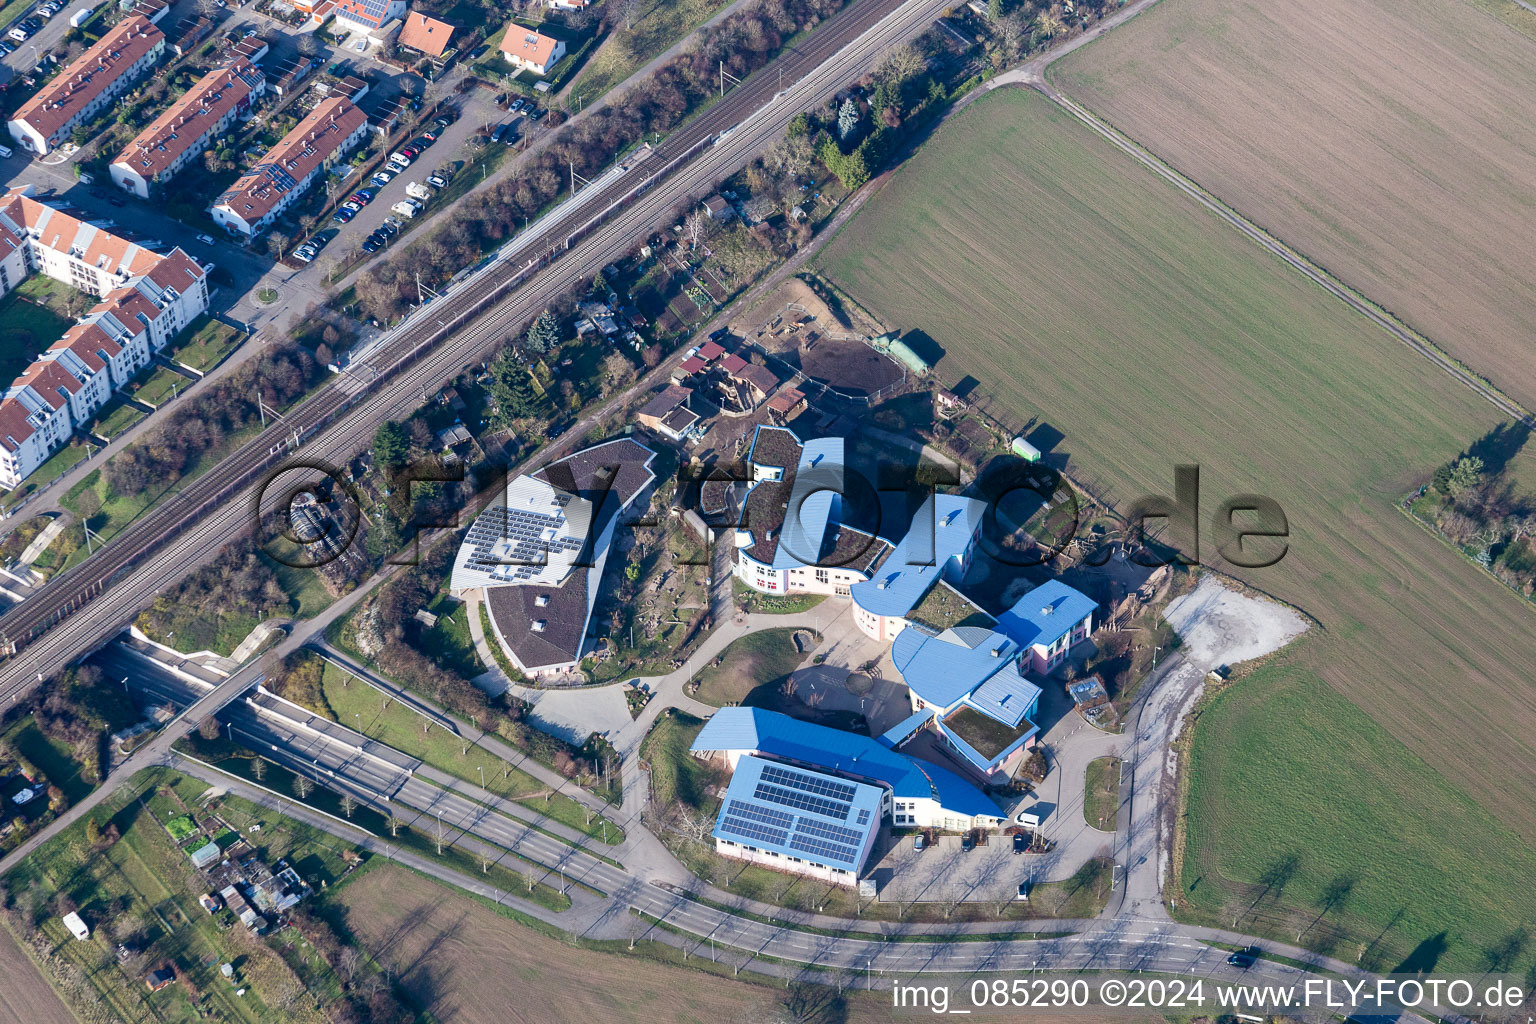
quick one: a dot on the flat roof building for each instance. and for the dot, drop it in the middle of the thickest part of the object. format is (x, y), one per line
(94, 79)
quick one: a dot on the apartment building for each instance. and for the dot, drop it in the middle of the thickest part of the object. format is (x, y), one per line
(314, 146)
(146, 299)
(188, 126)
(93, 80)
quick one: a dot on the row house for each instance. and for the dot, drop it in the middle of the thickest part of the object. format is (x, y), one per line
(93, 80)
(316, 144)
(188, 126)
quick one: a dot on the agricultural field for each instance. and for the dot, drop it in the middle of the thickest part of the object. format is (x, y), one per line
(1402, 166)
(26, 995)
(1080, 291)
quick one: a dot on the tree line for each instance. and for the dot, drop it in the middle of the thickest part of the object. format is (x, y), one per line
(743, 42)
(202, 422)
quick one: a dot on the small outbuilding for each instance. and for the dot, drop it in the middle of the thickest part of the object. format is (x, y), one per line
(157, 980)
(76, 925)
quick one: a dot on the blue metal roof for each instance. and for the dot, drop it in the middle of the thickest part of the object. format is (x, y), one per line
(905, 729)
(796, 812)
(815, 503)
(944, 669)
(844, 753)
(1046, 614)
(1007, 696)
(938, 535)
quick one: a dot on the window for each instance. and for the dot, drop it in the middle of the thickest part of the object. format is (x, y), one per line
(822, 576)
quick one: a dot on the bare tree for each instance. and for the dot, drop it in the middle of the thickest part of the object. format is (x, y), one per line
(302, 787)
(440, 835)
(626, 9)
(695, 228)
(394, 825)
(208, 728)
(348, 805)
(259, 768)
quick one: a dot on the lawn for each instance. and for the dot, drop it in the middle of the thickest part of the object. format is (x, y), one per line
(360, 706)
(115, 417)
(1074, 286)
(763, 659)
(756, 601)
(676, 775)
(57, 464)
(211, 340)
(654, 26)
(54, 760)
(1101, 793)
(1412, 188)
(26, 331)
(160, 387)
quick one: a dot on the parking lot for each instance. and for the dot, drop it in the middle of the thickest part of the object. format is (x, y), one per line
(943, 873)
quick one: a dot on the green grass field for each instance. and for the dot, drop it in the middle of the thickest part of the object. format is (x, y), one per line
(1101, 793)
(655, 25)
(764, 658)
(208, 344)
(161, 386)
(117, 416)
(1073, 286)
(1403, 846)
(26, 330)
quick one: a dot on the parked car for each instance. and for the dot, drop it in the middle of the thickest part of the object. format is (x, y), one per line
(443, 121)
(390, 227)
(968, 842)
(1020, 842)
(304, 253)
(372, 244)
(1244, 958)
(416, 190)
(918, 842)
(535, 113)
(362, 196)
(6, 49)
(407, 208)
(205, 239)
(437, 181)
(1023, 890)
(512, 136)
(518, 104)
(382, 178)
(19, 33)
(343, 215)
(498, 132)
(429, 135)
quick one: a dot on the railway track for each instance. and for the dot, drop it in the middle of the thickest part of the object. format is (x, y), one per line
(87, 605)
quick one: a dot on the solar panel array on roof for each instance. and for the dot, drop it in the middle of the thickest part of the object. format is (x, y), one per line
(796, 812)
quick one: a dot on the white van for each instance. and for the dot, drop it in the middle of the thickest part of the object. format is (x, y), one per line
(5, 151)
(407, 208)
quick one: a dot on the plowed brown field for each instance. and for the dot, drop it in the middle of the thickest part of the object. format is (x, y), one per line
(1389, 140)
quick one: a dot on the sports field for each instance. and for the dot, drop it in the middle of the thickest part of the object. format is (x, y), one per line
(1076, 287)
(1389, 140)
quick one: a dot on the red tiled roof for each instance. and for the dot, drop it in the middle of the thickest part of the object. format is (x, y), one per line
(732, 363)
(425, 35)
(206, 103)
(90, 75)
(527, 45)
(310, 143)
(710, 350)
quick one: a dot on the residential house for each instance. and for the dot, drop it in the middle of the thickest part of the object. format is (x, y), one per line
(530, 50)
(369, 15)
(668, 414)
(426, 36)
(147, 299)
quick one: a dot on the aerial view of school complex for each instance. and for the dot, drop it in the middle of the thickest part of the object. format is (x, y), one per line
(767, 511)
